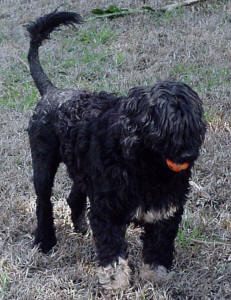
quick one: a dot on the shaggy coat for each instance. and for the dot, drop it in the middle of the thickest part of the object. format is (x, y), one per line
(115, 150)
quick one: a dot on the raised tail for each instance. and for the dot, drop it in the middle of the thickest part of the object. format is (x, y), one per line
(39, 31)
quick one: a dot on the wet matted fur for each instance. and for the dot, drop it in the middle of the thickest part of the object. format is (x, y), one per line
(116, 151)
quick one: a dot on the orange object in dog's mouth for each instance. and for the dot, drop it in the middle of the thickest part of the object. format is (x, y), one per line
(177, 167)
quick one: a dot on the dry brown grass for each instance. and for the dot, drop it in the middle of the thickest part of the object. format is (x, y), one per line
(192, 45)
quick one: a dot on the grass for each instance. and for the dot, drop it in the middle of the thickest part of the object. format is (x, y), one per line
(102, 36)
(207, 77)
(3, 283)
(190, 44)
(189, 233)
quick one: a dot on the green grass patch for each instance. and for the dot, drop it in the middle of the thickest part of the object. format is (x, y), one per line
(214, 78)
(4, 280)
(69, 63)
(94, 57)
(209, 115)
(171, 15)
(87, 56)
(21, 96)
(100, 36)
(2, 38)
(185, 71)
(187, 232)
(206, 78)
(94, 37)
(17, 91)
(91, 63)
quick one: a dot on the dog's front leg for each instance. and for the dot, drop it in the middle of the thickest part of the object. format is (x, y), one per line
(158, 248)
(109, 234)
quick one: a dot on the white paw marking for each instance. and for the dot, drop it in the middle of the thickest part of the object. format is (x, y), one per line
(158, 274)
(114, 276)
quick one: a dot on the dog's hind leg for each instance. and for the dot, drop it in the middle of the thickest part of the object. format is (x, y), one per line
(77, 201)
(45, 161)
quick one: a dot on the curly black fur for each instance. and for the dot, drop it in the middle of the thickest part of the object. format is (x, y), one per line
(115, 149)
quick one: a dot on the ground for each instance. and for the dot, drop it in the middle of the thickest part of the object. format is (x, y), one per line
(192, 44)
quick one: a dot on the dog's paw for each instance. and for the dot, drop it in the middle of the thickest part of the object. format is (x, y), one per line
(45, 244)
(114, 276)
(81, 225)
(156, 274)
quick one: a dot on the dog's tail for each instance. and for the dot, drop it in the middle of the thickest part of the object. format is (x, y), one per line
(39, 31)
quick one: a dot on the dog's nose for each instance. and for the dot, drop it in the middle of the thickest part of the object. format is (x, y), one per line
(187, 156)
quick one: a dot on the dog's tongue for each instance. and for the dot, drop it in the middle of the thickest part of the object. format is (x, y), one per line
(176, 167)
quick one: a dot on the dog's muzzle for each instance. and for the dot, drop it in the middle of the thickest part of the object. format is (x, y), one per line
(177, 167)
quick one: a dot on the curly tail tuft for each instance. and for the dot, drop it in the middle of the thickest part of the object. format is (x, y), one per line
(39, 31)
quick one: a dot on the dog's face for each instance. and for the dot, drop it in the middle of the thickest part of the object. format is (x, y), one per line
(171, 121)
(177, 128)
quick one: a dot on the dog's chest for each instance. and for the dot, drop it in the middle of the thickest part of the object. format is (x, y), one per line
(154, 215)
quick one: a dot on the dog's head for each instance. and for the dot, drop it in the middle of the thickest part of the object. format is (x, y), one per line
(167, 118)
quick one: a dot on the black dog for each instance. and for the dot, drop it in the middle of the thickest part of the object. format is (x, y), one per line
(132, 156)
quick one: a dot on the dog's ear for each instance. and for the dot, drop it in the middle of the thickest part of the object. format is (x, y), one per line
(135, 117)
(136, 103)
(128, 134)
